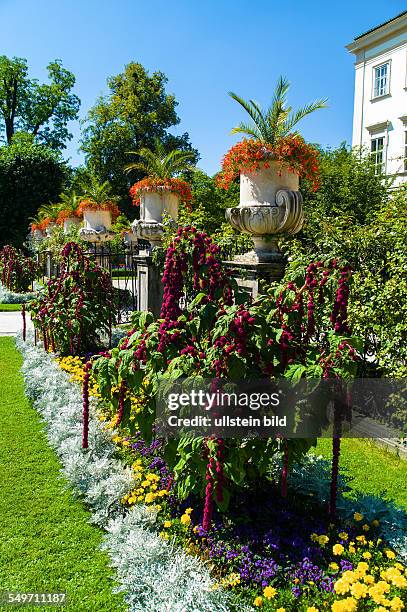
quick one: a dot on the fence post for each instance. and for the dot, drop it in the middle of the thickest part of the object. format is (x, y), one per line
(149, 285)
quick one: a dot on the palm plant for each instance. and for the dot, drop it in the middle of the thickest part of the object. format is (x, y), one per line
(92, 189)
(69, 201)
(271, 125)
(49, 211)
(158, 163)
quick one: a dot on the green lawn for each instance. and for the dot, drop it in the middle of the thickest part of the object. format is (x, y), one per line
(374, 470)
(46, 543)
(10, 307)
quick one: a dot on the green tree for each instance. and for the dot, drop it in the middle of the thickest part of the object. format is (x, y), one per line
(30, 176)
(42, 110)
(350, 188)
(136, 111)
(356, 219)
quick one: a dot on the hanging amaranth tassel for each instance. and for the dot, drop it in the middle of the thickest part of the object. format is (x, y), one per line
(85, 397)
(24, 322)
(284, 473)
(122, 397)
(208, 508)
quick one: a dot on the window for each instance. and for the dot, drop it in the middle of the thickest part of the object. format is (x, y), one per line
(376, 148)
(381, 80)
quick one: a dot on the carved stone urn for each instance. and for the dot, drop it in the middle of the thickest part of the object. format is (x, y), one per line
(270, 204)
(70, 222)
(97, 225)
(153, 206)
(50, 228)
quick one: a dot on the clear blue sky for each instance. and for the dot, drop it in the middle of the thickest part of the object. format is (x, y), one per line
(206, 49)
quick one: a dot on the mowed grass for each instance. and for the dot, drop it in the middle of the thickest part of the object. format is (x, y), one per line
(10, 307)
(374, 470)
(46, 543)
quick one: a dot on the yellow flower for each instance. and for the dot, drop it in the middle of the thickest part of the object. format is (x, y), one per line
(375, 523)
(322, 540)
(343, 535)
(359, 590)
(258, 602)
(367, 555)
(188, 510)
(365, 527)
(352, 550)
(390, 554)
(164, 535)
(337, 549)
(185, 519)
(396, 605)
(341, 586)
(358, 517)
(345, 605)
(312, 609)
(361, 539)
(362, 568)
(167, 524)
(269, 592)
(281, 610)
(368, 579)
(333, 566)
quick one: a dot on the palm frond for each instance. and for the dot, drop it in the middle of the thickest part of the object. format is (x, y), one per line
(296, 117)
(278, 120)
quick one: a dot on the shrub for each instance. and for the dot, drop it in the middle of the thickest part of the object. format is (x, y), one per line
(75, 308)
(17, 271)
(297, 330)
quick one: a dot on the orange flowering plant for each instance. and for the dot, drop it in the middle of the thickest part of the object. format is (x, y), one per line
(162, 170)
(251, 155)
(272, 138)
(150, 184)
(90, 204)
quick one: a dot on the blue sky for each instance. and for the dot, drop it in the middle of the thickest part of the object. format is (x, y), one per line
(206, 49)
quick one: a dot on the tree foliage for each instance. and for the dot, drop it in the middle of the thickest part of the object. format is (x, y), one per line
(40, 109)
(136, 111)
(355, 218)
(30, 175)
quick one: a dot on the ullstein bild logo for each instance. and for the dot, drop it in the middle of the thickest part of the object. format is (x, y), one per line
(308, 408)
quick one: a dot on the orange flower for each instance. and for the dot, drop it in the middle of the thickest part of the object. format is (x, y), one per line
(249, 155)
(92, 205)
(175, 185)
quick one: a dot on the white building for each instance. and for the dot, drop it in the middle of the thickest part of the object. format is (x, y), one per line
(380, 110)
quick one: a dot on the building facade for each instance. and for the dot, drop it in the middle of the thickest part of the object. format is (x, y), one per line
(380, 107)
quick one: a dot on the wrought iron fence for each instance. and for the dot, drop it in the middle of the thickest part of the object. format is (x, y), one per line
(119, 261)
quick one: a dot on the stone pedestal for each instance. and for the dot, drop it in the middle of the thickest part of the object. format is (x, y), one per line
(253, 277)
(149, 285)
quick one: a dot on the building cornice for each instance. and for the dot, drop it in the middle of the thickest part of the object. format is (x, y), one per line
(377, 34)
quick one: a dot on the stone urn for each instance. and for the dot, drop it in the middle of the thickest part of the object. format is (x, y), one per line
(270, 204)
(154, 205)
(70, 222)
(37, 235)
(97, 225)
(50, 228)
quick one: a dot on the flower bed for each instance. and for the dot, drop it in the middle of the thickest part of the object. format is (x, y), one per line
(284, 556)
(12, 297)
(154, 573)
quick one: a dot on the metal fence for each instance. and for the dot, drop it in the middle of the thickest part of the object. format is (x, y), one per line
(119, 261)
